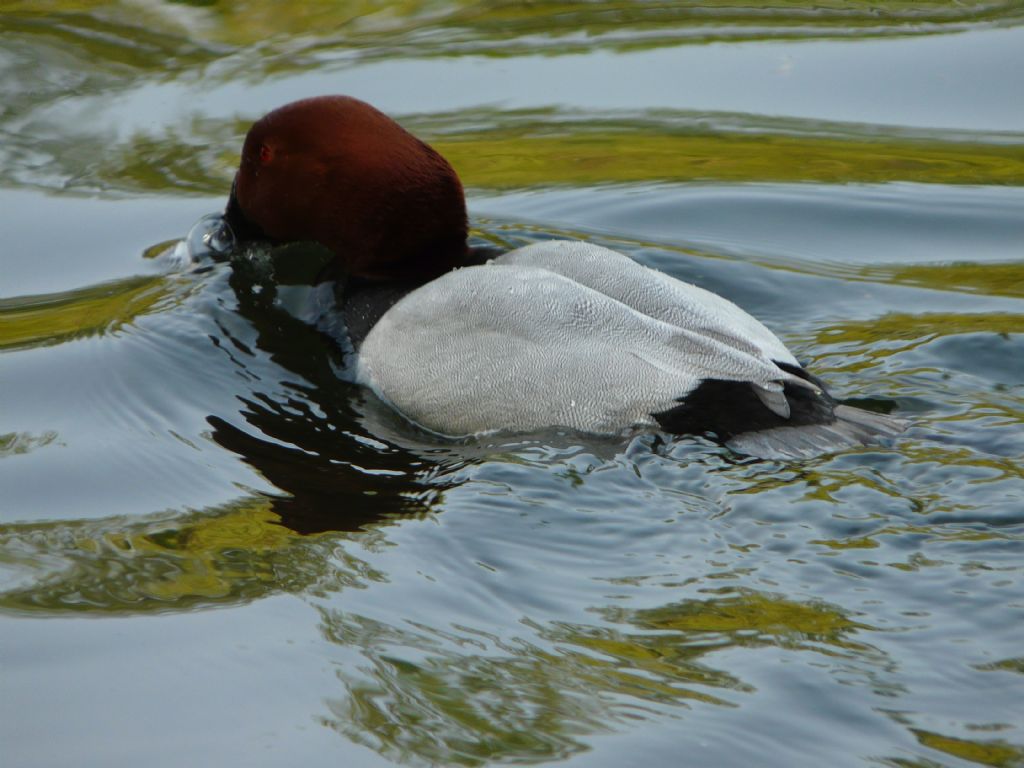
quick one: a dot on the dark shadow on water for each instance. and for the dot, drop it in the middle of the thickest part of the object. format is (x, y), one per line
(324, 484)
(333, 474)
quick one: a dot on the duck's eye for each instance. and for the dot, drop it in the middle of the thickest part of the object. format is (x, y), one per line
(266, 154)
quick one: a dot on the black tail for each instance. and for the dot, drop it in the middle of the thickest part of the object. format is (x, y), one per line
(732, 412)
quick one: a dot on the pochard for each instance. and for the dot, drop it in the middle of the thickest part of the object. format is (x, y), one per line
(561, 333)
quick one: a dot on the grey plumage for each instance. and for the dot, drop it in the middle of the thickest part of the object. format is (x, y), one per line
(568, 334)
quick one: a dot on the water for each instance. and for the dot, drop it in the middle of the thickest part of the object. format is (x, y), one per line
(214, 550)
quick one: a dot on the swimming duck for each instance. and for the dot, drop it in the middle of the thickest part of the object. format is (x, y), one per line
(555, 334)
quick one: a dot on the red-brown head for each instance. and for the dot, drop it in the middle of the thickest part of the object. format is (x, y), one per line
(336, 171)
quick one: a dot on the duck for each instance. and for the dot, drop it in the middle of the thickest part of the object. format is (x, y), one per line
(559, 334)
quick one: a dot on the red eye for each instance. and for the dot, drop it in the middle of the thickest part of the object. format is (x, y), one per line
(266, 154)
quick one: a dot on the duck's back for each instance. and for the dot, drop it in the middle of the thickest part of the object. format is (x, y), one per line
(563, 334)
(653, 293)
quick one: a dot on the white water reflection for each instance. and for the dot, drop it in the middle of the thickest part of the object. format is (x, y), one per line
(964, 81)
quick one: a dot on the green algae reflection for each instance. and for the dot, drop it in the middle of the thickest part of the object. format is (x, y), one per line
(537, 150)
(152, 564)
(376, 27)
(429, 695)
(605, 152)
(33, 321)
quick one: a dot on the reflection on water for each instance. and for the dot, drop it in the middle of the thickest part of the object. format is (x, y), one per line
(281, 564)
(32, 321)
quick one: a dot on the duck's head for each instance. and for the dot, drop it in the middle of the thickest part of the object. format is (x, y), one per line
(336, 171)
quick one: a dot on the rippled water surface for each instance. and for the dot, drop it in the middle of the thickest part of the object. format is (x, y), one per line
(213, 551)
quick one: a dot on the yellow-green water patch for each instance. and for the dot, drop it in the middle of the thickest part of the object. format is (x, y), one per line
(31, 321)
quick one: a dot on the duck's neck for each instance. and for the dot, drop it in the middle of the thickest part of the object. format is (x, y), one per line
(364, 301)
(429, 263)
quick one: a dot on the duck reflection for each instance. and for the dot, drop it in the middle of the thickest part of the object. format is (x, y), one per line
(329, 481)
(325, 447)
